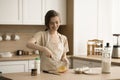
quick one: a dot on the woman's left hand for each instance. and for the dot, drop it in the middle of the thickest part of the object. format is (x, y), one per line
(64, 59)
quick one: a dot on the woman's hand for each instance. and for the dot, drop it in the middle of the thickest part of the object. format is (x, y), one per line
(64, 59)
(48, 52)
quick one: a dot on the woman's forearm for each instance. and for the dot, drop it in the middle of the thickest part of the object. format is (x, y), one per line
(35, 46)
(40, 48)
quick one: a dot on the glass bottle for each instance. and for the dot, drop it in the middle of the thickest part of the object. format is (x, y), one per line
(106, 59)
(37, 65)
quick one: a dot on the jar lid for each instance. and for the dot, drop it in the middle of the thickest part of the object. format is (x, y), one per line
(37, 58)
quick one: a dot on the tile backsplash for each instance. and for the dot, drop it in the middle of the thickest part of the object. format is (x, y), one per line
(25, 33)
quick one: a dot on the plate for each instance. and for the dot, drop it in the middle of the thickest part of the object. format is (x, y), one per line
(90, 72)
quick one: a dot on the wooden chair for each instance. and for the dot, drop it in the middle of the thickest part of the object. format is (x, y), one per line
(94, 47)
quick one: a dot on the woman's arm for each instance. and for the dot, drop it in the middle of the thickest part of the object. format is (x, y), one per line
(32, 45)
(64, 59)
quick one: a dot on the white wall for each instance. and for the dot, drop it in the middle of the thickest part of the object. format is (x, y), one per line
(92, 19)
(116, 16)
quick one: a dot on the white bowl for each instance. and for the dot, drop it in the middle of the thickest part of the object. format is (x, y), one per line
(6, 54)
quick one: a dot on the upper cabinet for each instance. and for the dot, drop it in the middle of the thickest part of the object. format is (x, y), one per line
(10, 11)
(29, 12)
(32, 12)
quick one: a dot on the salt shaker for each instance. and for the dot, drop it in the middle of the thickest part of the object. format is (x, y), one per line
(106, 59)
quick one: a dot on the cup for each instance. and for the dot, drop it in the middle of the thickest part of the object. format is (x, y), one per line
(6, 37)
(1, 38)
(36, 51)
(15, 37)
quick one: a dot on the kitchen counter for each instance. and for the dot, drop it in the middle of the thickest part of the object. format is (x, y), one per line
(17, 58)
(23, 57)
(69, 75)
(96, 58)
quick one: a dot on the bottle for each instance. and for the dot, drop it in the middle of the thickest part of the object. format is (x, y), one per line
(106, 59)
(37, 65)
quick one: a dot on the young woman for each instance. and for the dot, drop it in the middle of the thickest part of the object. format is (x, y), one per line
(52, 45)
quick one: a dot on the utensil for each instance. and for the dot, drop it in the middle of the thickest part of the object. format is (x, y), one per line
(51, 72)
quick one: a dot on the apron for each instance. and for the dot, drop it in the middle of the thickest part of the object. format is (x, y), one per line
(57, 50)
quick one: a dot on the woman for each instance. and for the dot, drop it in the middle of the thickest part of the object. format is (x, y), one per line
(52, 45)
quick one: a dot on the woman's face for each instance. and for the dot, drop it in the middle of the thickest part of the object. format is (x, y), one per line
(54, 23)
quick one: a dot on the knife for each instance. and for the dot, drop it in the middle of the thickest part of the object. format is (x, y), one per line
(51, 72)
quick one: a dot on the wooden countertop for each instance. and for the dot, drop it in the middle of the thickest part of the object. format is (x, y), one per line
(17, 58)
(96, 58)
(69, 75)
(23, 57)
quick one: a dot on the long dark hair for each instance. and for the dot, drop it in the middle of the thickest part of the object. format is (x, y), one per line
(48, 16)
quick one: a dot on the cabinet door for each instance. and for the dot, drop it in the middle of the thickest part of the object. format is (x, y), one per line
(14, 66)
(32, 12)
(10, 11)
(58, 5)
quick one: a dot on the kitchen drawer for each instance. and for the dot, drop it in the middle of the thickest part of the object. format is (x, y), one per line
(14, 66)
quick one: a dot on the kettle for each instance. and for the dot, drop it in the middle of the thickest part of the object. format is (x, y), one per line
(116, 48)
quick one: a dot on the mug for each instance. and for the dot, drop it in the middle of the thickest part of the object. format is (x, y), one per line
(15, 37)
(1, 38)
(6, 37)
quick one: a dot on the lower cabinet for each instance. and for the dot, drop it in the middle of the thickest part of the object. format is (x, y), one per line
(30, 65)
(16, 66)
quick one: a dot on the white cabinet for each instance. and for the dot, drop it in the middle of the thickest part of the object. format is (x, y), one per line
(10, 11)
(29, 12)
(30, 65)
(20, 12)
(58, 5)
(32, 12)
(16, 66)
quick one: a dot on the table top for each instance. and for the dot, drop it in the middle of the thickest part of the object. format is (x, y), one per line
(69, 75)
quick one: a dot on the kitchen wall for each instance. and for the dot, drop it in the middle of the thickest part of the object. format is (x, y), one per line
(92, 20)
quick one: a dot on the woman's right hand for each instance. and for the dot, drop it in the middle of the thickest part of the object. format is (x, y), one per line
(48, 52)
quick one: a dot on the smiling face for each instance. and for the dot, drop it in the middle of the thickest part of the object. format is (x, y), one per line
(54, 23)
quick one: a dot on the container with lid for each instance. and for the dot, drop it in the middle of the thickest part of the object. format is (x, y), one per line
(106, 59)
(37, 65)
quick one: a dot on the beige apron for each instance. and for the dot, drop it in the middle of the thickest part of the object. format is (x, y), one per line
(57, 50)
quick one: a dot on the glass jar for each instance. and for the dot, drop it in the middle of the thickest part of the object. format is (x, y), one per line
(33, 72)
(106, 59)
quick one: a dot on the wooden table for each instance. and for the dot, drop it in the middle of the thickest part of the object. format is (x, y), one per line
(69, 75)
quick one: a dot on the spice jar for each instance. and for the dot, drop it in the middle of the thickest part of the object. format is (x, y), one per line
(33, 72)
